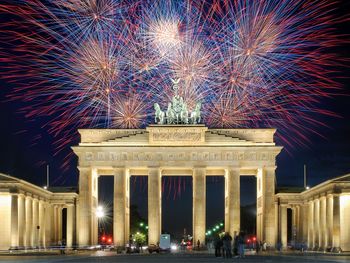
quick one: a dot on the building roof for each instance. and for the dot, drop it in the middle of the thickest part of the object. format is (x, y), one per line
(12, 181)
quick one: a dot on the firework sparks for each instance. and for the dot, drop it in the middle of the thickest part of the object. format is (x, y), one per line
(89, 63)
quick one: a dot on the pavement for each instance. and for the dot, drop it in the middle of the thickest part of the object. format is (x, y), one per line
(106, 257)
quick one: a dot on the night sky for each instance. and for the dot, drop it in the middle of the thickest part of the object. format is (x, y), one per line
(26, 147)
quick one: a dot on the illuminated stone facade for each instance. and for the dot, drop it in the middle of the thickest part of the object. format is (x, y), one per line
(169, 150)
(31, 217)
(319, 215)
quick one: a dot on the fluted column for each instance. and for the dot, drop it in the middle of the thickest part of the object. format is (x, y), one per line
(29, 221)
(54, 222)
(329, 220)
(49, 214)
(21, 220)
(70, 224)
(232, 201)
(199, 205)
(311, 240)
(283, 226)
(304, 222)
(59, 223)
(266, 214)
(35, 222)
(121, 207)
(14, 221)
(154, 205)
(294, 223)
(86, 213)
(297, 224)
(41, 224)
(336, 223)
(323, 229)
(316, 223)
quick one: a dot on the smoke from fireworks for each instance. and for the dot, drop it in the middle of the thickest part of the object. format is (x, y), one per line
(89, 63)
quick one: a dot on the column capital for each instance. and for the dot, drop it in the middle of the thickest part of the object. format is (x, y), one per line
(118, 170)
(199, 167)
(84, 168)
(29, 196)
(154, 168)
(118, 167)
(235, 168)
(269, 168)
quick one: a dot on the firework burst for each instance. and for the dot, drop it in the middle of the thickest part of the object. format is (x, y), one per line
(89, 63)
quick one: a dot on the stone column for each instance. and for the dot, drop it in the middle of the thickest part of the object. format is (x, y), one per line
(120, 217)
(59, 223)
(14, 221)
(294, 223)
(316, 224)
(323, 230)
(29, 221)
(70, 225)
(232, 201)
(304, 221)
(154, 205)
(35, 222)
(297, 224)
(311, 234)
(283, 226)
(199, 205)
(21, 220)
(54, 223)
(329, 221)
(266, 200)
(49, 214)
(84, 221)
(41, 224)
(336, 223)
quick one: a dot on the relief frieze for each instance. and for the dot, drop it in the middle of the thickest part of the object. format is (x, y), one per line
(179, 156)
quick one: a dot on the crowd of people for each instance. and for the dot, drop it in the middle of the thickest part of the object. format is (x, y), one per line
(223, 245)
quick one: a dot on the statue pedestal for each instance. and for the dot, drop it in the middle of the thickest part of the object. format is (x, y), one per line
(176, 134)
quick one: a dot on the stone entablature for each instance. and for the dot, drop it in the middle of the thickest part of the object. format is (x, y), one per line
(178, 134)
(246, 156)
(12, 185)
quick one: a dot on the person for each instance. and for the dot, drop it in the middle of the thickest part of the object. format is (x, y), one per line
(61, 246)
(235, 245)
(279, 246)
(241, 245)
(264, 246)
(198, 244)
(218, 246)
(257, 247)
(227, 239)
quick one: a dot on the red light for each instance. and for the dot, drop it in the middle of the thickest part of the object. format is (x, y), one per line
(254, 238)
(103, 238)
(248, 240)
(109, 240)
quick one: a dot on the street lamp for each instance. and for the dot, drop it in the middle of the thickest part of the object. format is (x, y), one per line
(100, 212)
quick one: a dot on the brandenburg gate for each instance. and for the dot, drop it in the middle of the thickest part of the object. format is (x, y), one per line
(176, 150)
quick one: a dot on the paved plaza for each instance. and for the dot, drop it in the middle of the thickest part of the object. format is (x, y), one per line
(107, 257)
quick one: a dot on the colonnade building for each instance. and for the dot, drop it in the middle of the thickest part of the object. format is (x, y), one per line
(31, 216)
(318, 214)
